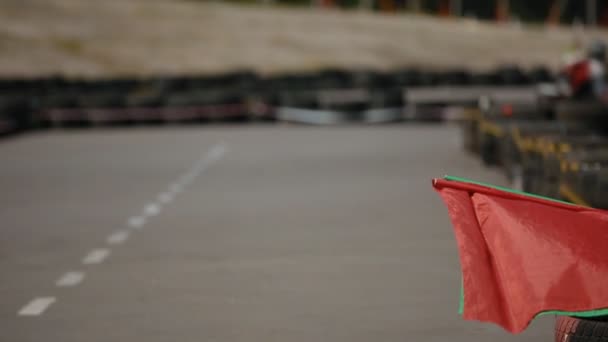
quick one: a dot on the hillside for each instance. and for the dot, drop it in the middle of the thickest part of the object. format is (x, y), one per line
(91, 38)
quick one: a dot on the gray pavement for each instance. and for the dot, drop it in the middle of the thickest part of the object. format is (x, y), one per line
(285, 234)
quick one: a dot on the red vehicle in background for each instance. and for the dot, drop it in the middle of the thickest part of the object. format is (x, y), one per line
(584, 77)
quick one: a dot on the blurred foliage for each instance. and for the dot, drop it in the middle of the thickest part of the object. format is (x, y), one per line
(526, 10)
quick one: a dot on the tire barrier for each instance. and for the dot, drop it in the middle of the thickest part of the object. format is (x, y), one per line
(15, 114)
(559, 150)
(7, 126)
(364, 96)
(581, 329)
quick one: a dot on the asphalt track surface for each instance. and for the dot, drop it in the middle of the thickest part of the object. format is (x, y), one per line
(276, 233)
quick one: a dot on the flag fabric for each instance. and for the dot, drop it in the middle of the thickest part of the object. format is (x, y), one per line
(524, 255)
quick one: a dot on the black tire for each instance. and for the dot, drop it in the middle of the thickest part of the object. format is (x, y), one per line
(102, 100)
(334, 78)
(387, 98)
(541, 75)
(205, 97)
(489, 150)
(292, 82)
(18, 110)
(485, 79)
(146, 98)
(239, 79)
(7, 126)
(573, 329)
(370, 79)
(455, 77)
(512, 75)
(299, 99)
(414, 77)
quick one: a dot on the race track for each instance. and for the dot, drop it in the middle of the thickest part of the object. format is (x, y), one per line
(234, 233)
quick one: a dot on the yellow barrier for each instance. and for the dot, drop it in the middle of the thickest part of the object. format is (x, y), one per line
(491, 128)
(571, 196)
(472, 114)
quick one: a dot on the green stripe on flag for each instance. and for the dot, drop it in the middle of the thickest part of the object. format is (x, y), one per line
(461, 304)
(581, 314)
(513, 191)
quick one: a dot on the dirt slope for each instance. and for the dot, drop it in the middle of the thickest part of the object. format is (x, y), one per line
(86, 37)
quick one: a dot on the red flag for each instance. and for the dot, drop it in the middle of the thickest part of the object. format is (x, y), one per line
(523, 255)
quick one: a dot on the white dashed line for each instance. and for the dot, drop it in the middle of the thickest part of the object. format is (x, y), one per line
(183, 184)
(187, 179)
(118, 237)
(216, 152)
(96, 256)
(37, 306)
(152, 209)
(213, 155)
(176, 188)
(137, 222)
(70, 279)
(165, 198)
(198, 169)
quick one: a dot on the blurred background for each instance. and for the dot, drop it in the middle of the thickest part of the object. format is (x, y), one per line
(261, 170)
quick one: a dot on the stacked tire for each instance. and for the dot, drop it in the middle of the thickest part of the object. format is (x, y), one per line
(573, 329)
